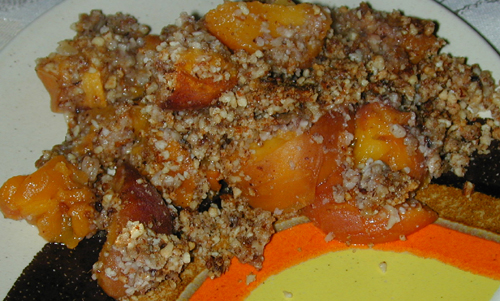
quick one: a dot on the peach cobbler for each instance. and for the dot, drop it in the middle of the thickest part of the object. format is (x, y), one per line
(190, 146)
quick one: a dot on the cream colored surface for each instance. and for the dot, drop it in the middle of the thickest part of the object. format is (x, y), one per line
(359, 275)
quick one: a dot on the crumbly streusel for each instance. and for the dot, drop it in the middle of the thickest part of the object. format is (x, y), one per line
(367, 56)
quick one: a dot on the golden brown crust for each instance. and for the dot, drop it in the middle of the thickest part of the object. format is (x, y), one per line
(476, 214)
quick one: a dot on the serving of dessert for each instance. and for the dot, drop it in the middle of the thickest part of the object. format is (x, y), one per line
(194, 145)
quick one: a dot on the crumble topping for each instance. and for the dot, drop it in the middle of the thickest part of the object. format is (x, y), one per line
(146, 258)
(118, 86)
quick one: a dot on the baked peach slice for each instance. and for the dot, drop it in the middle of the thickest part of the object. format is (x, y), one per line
(381, 134)
(55, 198)
(285, 171)
(253, 26)
(335, 144)
(282, 174)
(200, 78)
(140, 201)
(51, 75)
(346, 223)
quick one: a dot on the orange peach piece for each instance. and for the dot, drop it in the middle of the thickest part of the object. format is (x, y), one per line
(239, 24)
(193, 91)
(213, 178)
(151, 41)
(44, 198)
(51, 83)
(183, 194)
(418, 46)
(380, 135)
(334, 128)
(50, 224)
(347, 224)
(140, 201)
(81, 215)
(91, 84)
(8, 205)
(282, 173)
(286, 170)
(112, 286)
(139, 120)
(94, 91)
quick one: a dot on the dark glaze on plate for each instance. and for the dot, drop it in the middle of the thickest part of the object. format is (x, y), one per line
(59, 273)
(483, 172)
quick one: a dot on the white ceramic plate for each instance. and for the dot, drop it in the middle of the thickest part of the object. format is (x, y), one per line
(27, 126)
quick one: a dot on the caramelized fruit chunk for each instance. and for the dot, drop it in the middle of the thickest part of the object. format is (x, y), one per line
(253, 26)
(334, 151)
(201, 77)
(91, 85)
(55, 198)
(285, 171)
(420, 45)
(51, 82)
(282, 173)
(93, 89)
(346, 223)
(141, 202)
(380, 134)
